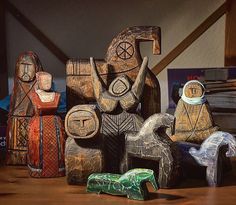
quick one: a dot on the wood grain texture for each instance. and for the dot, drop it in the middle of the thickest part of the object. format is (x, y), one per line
(123, 58)
(83, 122)
(16, 187)
(120, 92)
(83, 152)
(82, 158)
(193, 90)
(79, 88)
(194, 123)
(152, 143)
(21, 107)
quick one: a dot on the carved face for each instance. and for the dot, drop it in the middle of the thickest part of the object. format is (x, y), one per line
(119, 86)
(44, 81)
(82, 122)
(27, 70)
(193, 90)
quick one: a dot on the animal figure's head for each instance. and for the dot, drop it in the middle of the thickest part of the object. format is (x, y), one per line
(231, 152)
(210, 148)
(139, 177)
(231, 142)
(201, 157)
(158, 123)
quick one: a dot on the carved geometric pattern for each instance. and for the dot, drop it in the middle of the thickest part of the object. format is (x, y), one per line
(113, 129)
(50, 154)
(125, 50)
(22, 133)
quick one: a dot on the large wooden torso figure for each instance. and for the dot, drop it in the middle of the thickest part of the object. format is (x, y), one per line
(46, 133)
(123, 58)
(118, 105)
(21, 109)
(194, 122)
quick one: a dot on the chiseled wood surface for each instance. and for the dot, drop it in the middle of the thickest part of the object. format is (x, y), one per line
(16, 187)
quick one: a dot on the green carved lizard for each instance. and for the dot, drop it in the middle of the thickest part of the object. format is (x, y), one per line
(132, 183)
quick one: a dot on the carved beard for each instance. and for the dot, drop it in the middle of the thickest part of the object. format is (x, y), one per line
(119, 91)
(26, 72)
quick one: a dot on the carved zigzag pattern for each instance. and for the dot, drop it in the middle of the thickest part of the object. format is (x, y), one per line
(113, 129)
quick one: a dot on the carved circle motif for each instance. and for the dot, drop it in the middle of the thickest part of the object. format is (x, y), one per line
(83, 121)
(125, 50)
(194, 89)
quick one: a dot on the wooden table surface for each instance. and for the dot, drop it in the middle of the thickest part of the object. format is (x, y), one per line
(17, 188)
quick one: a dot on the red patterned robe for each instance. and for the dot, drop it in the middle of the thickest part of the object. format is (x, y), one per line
(46, 143)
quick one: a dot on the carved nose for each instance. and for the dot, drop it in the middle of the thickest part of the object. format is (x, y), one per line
(81, 123)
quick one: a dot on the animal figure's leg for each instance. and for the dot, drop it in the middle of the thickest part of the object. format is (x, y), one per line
(165, 169)
(124, 165)
(214, 172)
(137, 194)
(227, 166)
(94, 186)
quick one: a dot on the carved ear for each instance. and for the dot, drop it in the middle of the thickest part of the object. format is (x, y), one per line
(105, 101)
(139, 83)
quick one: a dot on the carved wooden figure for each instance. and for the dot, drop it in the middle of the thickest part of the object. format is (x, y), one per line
(122, 58)
(194, 121)
(83, 153)
(21, 108)
(132, 183)
(46, 132)
(152, 143)
(118, 105)
(192, 169)
(209, 155)
(120, 92)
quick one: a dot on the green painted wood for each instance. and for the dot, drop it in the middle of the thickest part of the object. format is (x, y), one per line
(131, 184)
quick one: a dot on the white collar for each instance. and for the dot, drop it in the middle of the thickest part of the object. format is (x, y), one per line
(46, 96)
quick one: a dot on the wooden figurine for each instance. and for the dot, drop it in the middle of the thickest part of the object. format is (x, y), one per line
(21, 108)
(210, 157)
(132, 183)
(83, 153)
(83, 122)
(152, 143)
(120, 92)
(46, 132)
(123, 58)
(118, 105)
(194, 121)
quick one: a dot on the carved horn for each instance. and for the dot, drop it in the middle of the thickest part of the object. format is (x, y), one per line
(139, 83)
(104, 99)
(97, 83)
